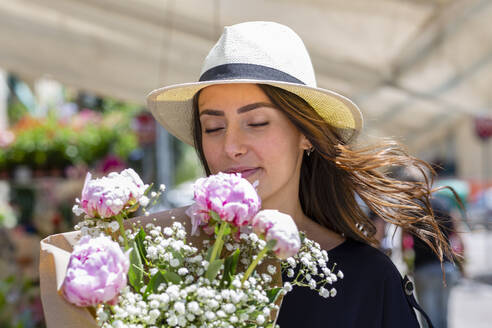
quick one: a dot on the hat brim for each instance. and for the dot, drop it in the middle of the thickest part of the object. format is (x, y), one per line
(172, 106)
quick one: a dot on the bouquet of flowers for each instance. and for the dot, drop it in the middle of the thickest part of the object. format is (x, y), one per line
(154, 276)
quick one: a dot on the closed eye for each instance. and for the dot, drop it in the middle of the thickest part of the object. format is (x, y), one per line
(212, 130)
(258, 124)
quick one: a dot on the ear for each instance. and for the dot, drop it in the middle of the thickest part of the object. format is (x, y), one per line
(305, 143)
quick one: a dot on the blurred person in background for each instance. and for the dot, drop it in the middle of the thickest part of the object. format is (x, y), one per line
(381, 233)
(432, 291)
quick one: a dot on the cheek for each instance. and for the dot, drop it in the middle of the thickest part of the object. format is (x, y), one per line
(282, 145)
(211, 154)
(272, 150)
(279, 154)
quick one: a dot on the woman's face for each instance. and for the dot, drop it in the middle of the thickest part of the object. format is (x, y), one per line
(243, 132)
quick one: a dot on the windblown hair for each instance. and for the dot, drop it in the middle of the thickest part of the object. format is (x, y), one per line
(336, 172)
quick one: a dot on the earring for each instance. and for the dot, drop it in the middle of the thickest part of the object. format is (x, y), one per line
(309, 151)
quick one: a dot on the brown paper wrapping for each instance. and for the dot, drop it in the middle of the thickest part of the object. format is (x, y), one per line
(55, 253)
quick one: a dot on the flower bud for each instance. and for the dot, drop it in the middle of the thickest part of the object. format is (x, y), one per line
(109, 195)
(278, 227)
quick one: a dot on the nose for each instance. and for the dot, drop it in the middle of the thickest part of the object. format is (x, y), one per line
(234, 145)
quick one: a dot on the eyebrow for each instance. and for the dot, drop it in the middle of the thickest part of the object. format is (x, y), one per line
(240, 110)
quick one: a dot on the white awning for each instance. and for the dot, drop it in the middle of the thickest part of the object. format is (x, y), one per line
(415, 67)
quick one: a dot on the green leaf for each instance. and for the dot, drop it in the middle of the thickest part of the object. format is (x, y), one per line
(213, 269)
(135, 273)
(273, 293)
(172, 277)
(230, 266)
(154, 283)
(139, 239)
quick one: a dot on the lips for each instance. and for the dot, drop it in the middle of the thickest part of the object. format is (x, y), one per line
(245, 171)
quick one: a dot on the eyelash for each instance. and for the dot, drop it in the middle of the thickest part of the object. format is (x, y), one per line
(212, 130)
(258, 124)
(255, 125)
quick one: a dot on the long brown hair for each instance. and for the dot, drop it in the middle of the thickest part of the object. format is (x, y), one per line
(336, 172)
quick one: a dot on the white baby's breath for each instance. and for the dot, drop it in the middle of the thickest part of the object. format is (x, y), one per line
(114, 226)
(185, 296)
(324, 292)
(144, 201)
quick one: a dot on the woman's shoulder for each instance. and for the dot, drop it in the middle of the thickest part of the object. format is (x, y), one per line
(384, 284)
(365, 258)
(371, 274)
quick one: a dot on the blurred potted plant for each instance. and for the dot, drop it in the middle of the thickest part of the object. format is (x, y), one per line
(48, 146)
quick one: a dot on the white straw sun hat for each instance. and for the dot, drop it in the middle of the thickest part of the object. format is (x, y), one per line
(255, 52)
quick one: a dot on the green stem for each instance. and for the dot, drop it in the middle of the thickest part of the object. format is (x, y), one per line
(218, 242)
(142, 270)
(253, 265)
(122, 229)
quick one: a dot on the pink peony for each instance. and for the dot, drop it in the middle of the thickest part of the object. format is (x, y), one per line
(233, 198)
(108, 196)
(280, 227)
(96, 272)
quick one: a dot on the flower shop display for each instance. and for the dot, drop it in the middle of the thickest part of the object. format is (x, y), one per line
(48, 146)
(154, 276)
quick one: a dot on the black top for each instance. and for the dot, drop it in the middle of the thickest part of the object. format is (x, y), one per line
(370, 295)
(423, 253)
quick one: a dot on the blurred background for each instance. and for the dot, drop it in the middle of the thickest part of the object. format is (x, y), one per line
(74, 75)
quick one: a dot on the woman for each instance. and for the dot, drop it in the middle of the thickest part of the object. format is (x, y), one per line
(256, 110)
